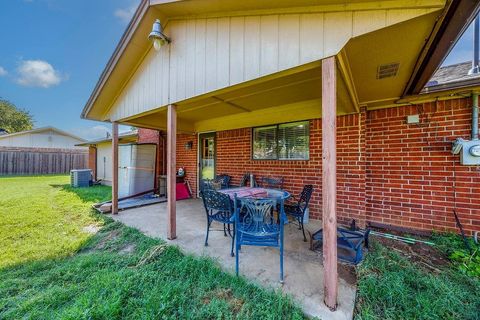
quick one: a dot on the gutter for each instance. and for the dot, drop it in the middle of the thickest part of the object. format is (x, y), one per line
(464, 84)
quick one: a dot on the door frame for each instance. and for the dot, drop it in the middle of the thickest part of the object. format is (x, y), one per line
(199, 147)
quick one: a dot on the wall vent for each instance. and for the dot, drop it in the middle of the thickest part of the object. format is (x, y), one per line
(387, 70)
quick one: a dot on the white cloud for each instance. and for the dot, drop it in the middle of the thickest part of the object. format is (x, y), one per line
(92, 133)
(125, 14)
(3, 72)
(38, 73)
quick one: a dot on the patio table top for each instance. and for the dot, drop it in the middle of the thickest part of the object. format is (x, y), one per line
(256, 192)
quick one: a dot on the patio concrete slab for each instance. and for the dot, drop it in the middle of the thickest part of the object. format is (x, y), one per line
(303, 267)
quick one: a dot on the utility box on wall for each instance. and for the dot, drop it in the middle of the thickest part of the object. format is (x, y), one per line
(469, 151)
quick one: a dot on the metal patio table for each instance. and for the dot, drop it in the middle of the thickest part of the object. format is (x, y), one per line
(256, 192)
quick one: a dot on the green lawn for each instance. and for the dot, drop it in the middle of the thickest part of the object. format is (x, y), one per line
(392, 285)
(53, 267)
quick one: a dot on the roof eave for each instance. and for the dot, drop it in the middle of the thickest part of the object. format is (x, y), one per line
(40, 130)
(457, 18)
(117, 53)
(454, 85)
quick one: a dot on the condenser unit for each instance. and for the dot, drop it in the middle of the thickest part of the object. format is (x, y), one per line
(80, 177)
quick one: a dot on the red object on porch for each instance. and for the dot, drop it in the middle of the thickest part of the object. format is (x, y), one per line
(182, 191)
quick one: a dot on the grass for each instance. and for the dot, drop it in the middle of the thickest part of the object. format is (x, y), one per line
(40, 217)
(52, 268)
(390, 286)
(466, 261)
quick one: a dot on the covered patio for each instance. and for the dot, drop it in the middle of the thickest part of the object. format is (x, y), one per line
(323, 89)
(303, 267)
(346, 82)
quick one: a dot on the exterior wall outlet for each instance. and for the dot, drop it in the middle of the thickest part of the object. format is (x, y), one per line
(414, 118)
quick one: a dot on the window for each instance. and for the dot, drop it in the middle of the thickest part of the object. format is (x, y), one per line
(265, 142)
(287, 141)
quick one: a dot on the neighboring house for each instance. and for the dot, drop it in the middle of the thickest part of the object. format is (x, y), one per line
(46, 137)
(41, 151)
(315, 92)
(100, 158)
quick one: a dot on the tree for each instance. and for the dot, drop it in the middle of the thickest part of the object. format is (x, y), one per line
(14, 119)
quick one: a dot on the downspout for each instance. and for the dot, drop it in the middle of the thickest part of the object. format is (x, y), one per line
(475, 70)
(476, 52)
(475, 116)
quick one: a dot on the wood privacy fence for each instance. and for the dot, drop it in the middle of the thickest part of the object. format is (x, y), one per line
(30, 161)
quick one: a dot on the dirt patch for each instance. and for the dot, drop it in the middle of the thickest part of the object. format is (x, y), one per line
(235, 303)
(348, 273)
(111, 236)
(91, 229)
(424, 255)
(128, 249)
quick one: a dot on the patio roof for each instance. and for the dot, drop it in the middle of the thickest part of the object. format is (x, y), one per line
(295, 94)
(133, 45)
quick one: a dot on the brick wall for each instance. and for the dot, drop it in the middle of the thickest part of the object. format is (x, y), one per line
(387, 171)
(187, 158)
(411, 173)
(148, 136)
(92, 161)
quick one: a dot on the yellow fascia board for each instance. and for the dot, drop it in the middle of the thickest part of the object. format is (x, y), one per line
(358, 6)
(429, 97)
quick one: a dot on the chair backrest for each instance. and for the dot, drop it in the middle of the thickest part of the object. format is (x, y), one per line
(272, 182)
(245, 181)
(215, 202)
(304, 197)
(257, 214)
(206, 184)
(224, 180)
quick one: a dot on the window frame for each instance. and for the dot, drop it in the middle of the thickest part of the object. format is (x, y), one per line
(277, 150)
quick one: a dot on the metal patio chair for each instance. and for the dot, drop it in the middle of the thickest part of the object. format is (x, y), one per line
(298, 206)
(218, 207)
(272, 182)
(245, 181)
(254, 226)
(223, 180)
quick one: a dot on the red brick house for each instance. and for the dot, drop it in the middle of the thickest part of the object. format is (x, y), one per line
(315, 93)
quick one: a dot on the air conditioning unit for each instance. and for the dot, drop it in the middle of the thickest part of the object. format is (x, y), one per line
(80, 177)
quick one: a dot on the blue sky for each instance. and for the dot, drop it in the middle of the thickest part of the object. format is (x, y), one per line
(53, 51)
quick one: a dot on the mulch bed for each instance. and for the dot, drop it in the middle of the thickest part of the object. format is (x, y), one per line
(424, 255)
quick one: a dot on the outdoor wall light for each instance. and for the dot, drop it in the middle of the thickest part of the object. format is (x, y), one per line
(189, 145)
(157, 36)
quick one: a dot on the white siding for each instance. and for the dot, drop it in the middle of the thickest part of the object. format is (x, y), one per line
(43, 139)
(207, 54)
(104, 163)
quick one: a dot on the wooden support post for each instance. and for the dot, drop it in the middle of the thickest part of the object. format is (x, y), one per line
(171, 171)
(329, 181)
(114, 168)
